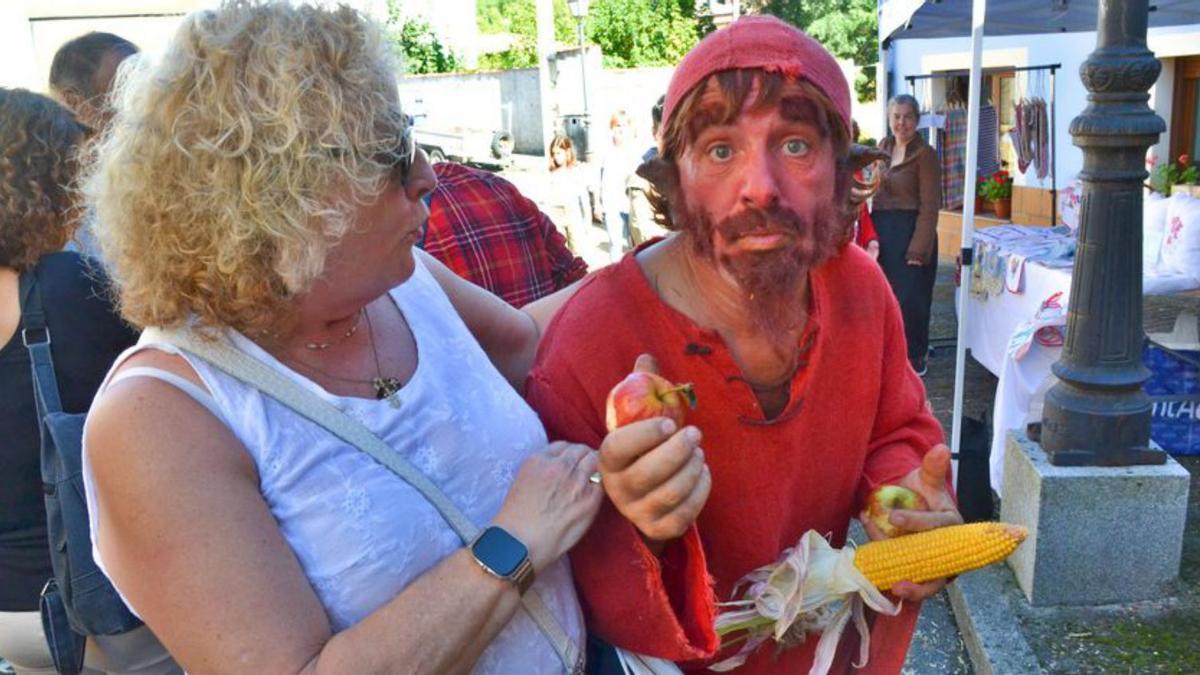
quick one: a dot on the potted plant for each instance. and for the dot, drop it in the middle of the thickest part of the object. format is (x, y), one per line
(997, 189)
(1178, 176)
(981, 204)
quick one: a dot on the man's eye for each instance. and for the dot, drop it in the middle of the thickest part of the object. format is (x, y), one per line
(720, 152)
(796, 148)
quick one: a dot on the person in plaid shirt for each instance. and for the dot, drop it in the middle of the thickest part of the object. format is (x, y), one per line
(485, 230)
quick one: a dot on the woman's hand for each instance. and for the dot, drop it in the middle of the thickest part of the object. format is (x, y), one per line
(873, 249)
(914, 259)
(552, 502)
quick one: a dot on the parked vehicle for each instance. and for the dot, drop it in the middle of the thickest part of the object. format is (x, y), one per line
(460, 144)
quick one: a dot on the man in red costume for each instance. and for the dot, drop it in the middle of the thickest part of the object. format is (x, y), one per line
(792, 339)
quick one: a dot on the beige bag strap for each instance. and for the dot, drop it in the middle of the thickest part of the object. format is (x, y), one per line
(272, 383)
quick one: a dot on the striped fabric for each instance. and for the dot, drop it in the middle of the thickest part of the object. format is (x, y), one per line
(989, 139)
(953, 150)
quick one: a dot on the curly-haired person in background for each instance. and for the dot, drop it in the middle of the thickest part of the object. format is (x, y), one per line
(38, 143)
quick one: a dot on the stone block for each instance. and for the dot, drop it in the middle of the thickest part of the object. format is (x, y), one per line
(1097, 535)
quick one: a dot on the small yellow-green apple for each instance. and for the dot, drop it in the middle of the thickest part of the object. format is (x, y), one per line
(886, 498)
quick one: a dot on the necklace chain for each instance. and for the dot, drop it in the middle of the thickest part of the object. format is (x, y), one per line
(322, 346)
(385, 388)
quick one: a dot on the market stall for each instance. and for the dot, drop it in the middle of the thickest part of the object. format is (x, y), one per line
(925, 19)
(1015, 315)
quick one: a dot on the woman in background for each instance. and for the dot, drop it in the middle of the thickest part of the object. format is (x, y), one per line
(39, 140)
(619, 164)
(905, 217)
(568, 199)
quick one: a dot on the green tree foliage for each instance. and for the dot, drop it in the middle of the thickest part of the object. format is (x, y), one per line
(848, 28)
(519, 17)
(635, 33)
(417, 45)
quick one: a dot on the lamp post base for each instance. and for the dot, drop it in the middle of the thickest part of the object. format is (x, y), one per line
(1082, 427)
(1098, 535)
(1125, 457)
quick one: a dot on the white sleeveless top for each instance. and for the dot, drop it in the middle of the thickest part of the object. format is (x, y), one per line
(361, 533)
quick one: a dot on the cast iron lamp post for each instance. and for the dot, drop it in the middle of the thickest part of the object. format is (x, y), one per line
(579, 10)
(1098, 414)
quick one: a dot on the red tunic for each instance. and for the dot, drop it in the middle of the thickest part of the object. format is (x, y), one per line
(857, 418)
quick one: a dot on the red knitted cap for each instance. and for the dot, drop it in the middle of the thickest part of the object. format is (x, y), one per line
(760, 42)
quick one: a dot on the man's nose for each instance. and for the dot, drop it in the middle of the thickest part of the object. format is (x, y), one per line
(760, 183)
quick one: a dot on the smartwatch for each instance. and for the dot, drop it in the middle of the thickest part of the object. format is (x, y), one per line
(504, 556)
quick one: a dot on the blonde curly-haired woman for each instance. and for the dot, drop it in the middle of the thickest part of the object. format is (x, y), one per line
(259, 186)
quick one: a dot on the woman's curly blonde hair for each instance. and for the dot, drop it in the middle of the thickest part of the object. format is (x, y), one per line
(39, 140)
(216, 187)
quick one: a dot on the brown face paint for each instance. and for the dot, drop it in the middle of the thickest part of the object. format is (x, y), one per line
(769, 279)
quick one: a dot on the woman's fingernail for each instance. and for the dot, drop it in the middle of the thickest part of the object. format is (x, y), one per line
(668, 426)
(693, 434)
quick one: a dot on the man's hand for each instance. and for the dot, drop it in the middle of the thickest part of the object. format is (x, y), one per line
(655, 474)
(929, 481)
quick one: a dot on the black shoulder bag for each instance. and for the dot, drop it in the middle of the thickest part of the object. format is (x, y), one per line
(79, 600)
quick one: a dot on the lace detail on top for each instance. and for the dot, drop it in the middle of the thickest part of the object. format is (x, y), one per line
(360, 533)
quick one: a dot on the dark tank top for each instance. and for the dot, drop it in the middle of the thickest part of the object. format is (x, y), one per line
(86, 337)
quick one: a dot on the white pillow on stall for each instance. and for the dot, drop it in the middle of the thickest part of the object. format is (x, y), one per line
(1154, 224)
(1180, 252)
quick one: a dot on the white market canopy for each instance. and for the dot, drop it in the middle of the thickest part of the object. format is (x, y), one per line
(915, 19)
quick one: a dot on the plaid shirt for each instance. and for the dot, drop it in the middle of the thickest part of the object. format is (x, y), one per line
(485, 230)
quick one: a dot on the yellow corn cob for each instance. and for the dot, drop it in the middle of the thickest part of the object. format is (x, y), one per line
(934, 554)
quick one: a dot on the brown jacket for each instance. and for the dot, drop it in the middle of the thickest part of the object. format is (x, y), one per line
(914, 185)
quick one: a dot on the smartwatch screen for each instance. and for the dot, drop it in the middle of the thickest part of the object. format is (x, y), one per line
(499, 550)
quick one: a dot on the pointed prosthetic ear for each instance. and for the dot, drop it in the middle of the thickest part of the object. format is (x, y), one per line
(663, 176)
(862, 156)
(659, 172)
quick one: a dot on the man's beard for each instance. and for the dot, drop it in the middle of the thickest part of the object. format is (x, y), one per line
(771, 280)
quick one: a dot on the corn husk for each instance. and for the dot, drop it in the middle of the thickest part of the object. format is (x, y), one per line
(813, 588)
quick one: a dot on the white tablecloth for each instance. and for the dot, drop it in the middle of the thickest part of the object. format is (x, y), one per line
(990, 326)
(991, 321)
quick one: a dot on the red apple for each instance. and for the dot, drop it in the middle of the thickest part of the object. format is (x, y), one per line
(884, 499)
(643, 395)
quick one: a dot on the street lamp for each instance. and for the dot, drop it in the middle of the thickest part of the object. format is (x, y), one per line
(1098, 413)
(579, 10)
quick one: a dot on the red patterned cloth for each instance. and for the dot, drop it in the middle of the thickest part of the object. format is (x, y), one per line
(490, 234)
(865, 232)
(856, 419)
